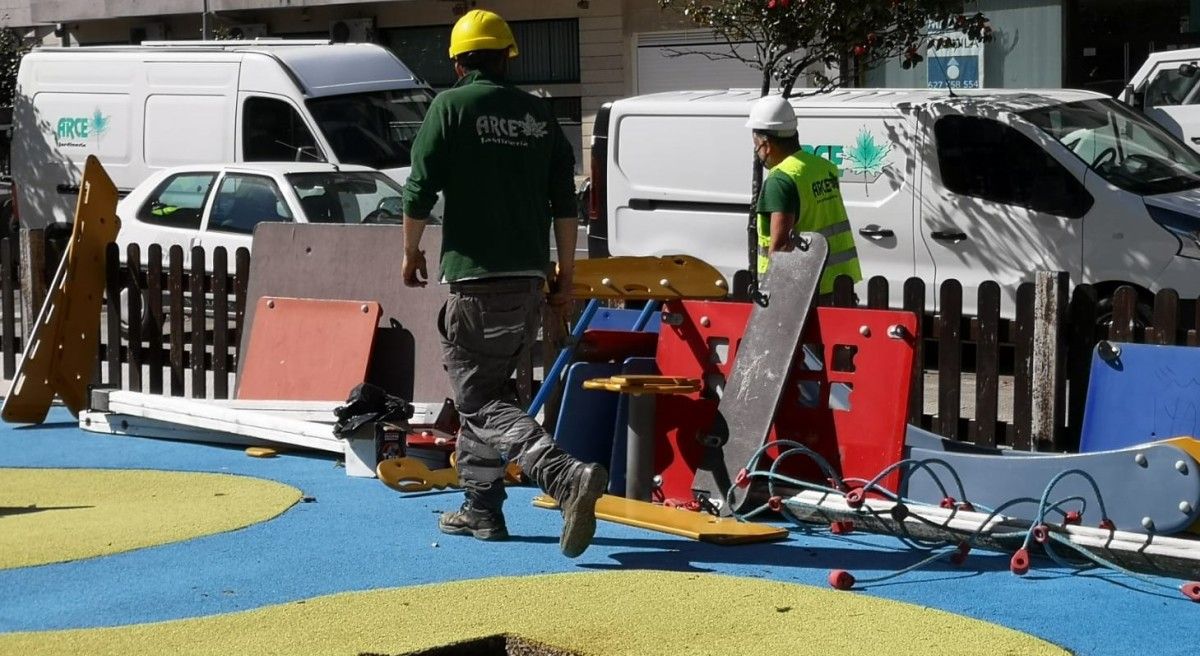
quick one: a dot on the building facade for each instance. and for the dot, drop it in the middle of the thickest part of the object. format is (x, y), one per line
(583, 53)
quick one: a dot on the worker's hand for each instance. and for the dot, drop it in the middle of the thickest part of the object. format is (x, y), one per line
(559, 298)
(415, 272)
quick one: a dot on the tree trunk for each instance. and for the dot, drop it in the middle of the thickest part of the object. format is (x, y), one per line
(756, 178)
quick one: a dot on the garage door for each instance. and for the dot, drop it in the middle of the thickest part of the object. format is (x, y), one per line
(662, 67)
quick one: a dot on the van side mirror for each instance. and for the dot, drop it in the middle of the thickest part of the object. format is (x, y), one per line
(1188, 69)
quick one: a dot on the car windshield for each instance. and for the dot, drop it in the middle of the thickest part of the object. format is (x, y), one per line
(1121, 145)
(373, 129)
(348, 197)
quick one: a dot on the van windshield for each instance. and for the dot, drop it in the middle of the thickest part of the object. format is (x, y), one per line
(374, 129)
(1121, 145)
(348, 197)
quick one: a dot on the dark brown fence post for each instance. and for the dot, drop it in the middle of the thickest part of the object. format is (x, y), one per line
(877, 293)
(949, 359)
(1080, 342)
(175, 290)
(1193, 333)
(843, 291)
(8, 320)
(1022, 437)
(133, 311)
(154, 294)
(220, 292)
(987, 365)
(1124, 309)
(241, 286)
(914, 301)
(112, 294)
(1166, 318)
(199, 325)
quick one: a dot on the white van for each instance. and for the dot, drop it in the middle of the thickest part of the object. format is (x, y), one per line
(1167, 89)
(164, 104)
(993, 185)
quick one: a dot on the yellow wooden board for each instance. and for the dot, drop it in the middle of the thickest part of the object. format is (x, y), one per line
(261, 452)
(412, 475)
(61, 352)
(648, 278)
(644, 384)
(676, 521)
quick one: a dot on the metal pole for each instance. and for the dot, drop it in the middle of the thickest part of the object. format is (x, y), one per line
(204, 22)
(639, 456)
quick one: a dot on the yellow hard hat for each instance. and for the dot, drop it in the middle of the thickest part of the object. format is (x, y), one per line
(481, 30)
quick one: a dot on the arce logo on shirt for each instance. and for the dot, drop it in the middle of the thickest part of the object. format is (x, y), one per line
(509, 131)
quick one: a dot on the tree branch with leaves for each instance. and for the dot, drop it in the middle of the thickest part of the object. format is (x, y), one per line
(818, 38)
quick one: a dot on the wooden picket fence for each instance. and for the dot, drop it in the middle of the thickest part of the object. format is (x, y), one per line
(179, 356)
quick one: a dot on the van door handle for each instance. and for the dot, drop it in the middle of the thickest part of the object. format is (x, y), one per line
(948, 235)
(1196, 140)
(875, 232)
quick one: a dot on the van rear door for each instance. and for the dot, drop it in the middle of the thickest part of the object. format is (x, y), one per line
(996, 205)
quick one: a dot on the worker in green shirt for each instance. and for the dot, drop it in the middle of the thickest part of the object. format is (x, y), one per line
(506, 172)
(801, 194)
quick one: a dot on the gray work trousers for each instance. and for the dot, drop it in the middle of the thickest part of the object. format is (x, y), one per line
(485, 326)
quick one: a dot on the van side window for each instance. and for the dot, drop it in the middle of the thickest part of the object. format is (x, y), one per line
(1171, 87)
(244, 201)
(987, 159)
(272, 131)
(179, 201)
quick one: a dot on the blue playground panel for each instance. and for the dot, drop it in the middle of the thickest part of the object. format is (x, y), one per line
(1145, 393)
(585, 418)
(618, 319)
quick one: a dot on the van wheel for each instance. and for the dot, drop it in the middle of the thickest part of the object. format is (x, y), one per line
(1143, 313)
(145, 321)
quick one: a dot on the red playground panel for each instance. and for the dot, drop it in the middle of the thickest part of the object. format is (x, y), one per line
(846, 398)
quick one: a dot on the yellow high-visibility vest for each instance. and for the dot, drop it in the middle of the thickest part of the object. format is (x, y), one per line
(821, 211)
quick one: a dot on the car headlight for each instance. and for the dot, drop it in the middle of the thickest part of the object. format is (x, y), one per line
(1184, 227)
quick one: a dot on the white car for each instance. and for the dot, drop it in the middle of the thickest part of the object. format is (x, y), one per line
(219, 205)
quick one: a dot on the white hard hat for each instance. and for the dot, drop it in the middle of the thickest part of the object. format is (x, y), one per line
(773, 114)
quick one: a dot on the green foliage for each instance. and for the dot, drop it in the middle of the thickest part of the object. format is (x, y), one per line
(810, 37)
(12, 49)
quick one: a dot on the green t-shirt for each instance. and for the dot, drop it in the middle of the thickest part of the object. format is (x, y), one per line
(778, 194)
(505, 170)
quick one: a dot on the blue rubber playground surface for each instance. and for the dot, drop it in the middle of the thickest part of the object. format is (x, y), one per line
(354, 534)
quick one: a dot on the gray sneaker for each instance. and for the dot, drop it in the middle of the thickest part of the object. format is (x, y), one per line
(482, 524)
(579, 510)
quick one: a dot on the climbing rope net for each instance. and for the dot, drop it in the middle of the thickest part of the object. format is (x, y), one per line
(954, 539)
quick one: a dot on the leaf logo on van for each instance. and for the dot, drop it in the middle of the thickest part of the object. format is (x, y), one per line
(864, 161)
(866, 156)
(77, 130)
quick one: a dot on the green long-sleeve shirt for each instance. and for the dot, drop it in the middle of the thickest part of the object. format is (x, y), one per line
(501, 162)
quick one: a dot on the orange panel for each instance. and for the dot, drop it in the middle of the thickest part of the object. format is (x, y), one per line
(62, 350)
(307, 349)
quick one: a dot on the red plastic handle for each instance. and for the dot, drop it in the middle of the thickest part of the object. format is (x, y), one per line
(841, 579)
